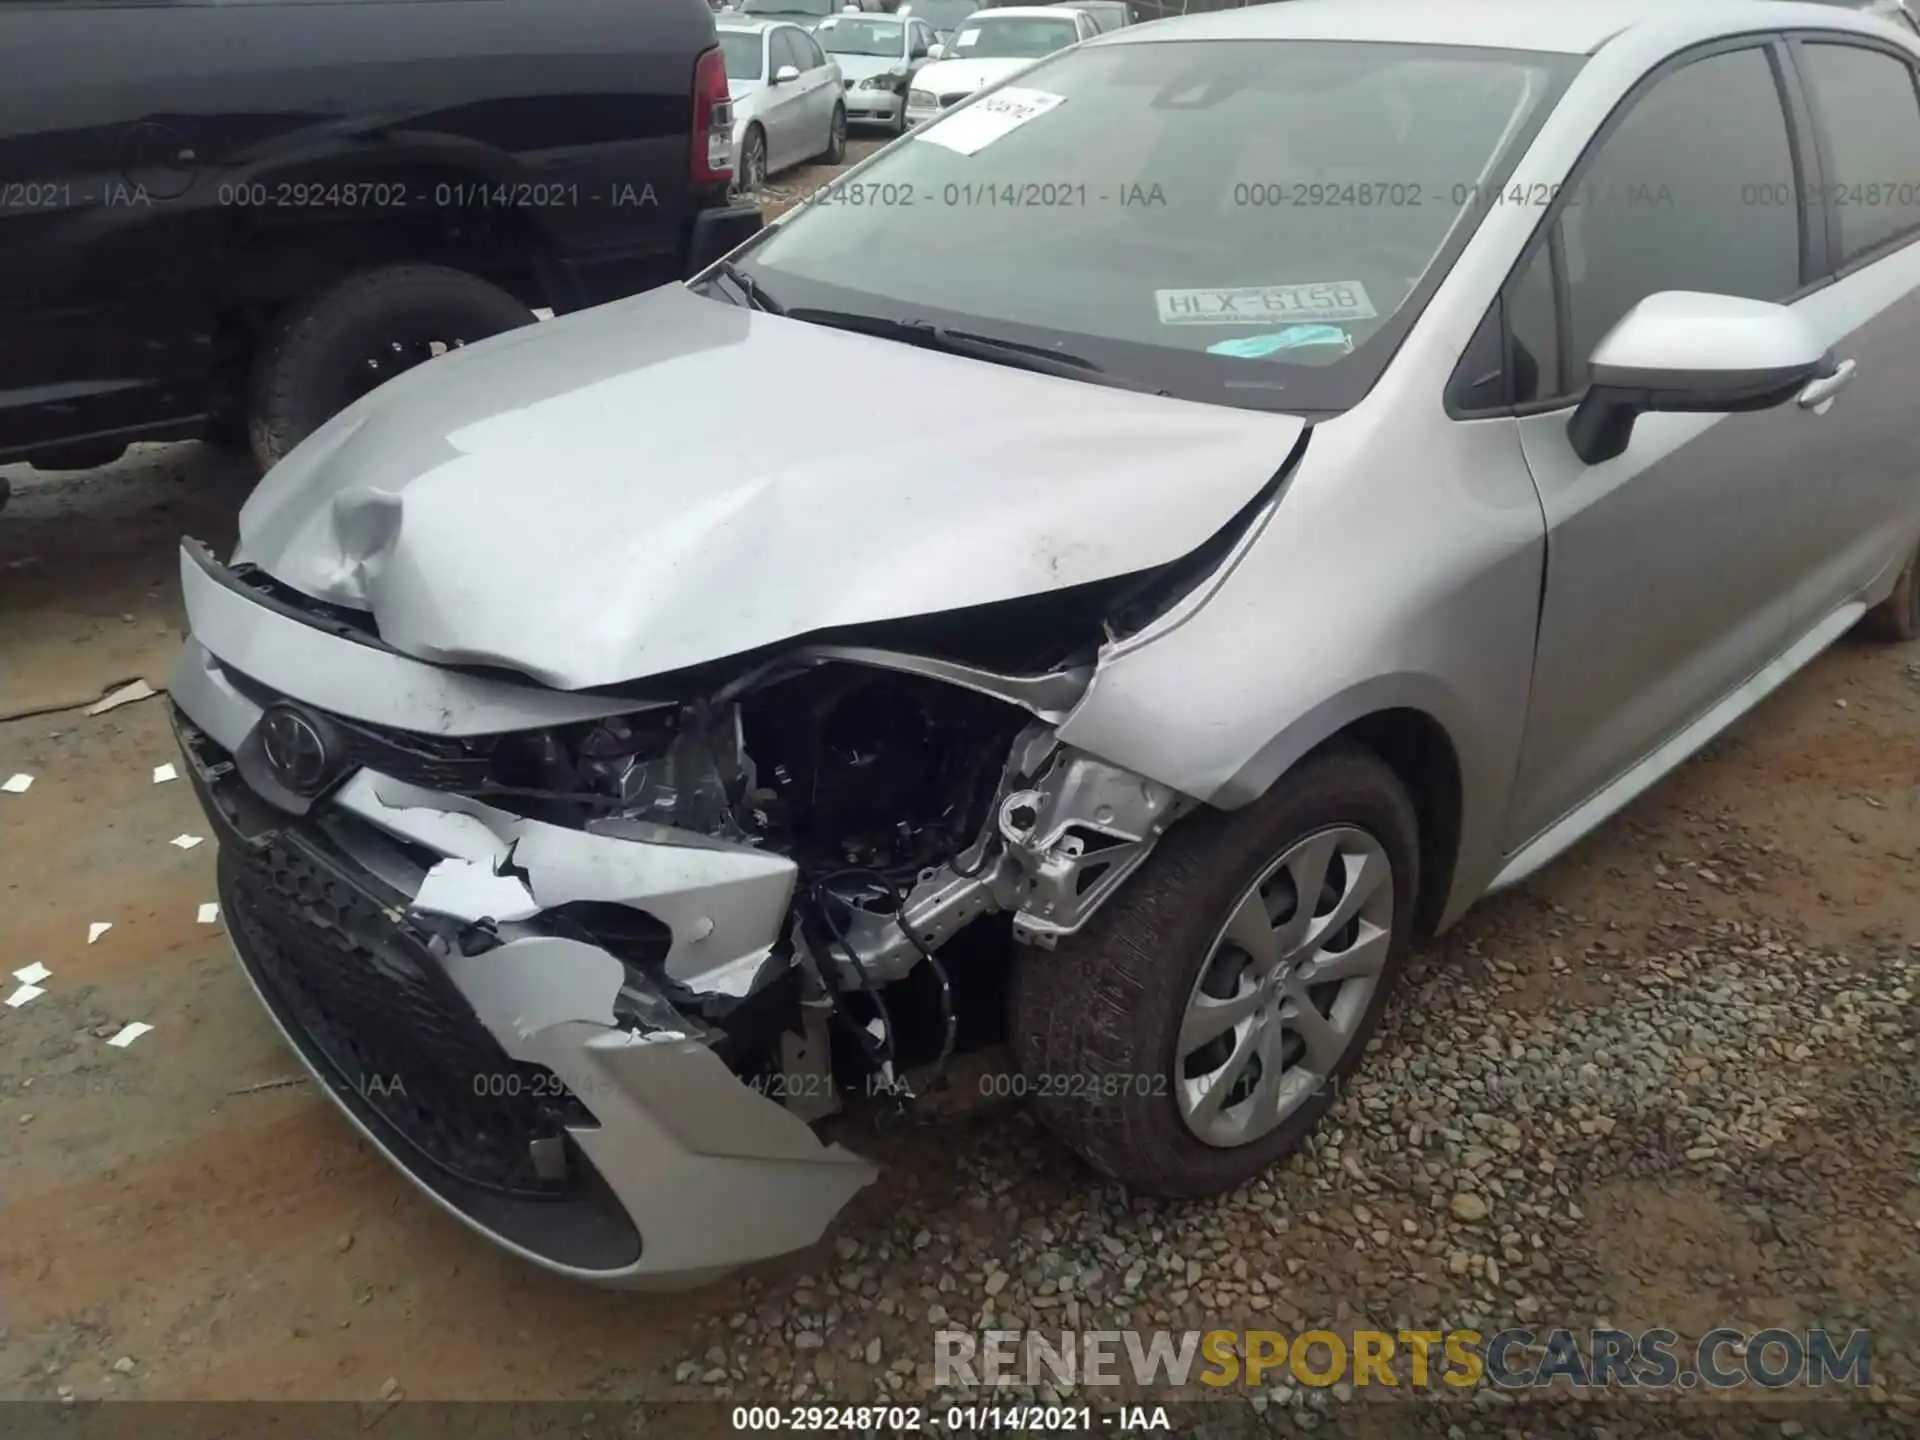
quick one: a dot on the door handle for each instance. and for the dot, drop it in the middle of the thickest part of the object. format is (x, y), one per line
(1818, 394)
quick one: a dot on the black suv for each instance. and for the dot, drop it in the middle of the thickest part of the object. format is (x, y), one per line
(230, 218)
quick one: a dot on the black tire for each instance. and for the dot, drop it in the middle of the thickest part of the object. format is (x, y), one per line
(317, 361)
(1896, 619)
(836, 151)
(1110, 1000)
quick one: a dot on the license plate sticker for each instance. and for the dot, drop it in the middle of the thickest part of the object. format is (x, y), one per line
(1264, 304)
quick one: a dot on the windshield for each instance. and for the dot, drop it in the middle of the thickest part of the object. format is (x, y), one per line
(789, 7)
(1238, 221)
(741, 51)
(996, 37)
(844, 35)
(941, 14)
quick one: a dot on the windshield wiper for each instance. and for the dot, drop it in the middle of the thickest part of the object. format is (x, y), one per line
(756, 293)
(1040, 359)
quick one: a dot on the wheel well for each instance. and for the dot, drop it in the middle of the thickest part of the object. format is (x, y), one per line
(274, 257)
(1415, 747)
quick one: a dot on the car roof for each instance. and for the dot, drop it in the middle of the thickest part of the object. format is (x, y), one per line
(1570, 27)
(749, 26)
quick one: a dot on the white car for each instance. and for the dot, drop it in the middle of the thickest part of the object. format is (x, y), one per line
(878, 56)
(990, 47)
(789, 100)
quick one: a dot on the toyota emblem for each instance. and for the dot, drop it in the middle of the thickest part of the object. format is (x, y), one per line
(295, 750)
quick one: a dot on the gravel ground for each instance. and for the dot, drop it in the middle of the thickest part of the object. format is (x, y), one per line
(1471, 1177)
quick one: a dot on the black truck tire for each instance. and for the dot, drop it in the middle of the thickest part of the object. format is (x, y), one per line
(331, 347)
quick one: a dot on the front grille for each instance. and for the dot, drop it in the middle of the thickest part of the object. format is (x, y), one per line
(458, 766)
(378, 1006)
(433, 762)
(954, 98)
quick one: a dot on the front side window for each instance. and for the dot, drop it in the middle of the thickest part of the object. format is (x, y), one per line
(1694, 190)
(788, 51)
(1535, 332)
(1010, 37)
(1242, 222)
(1869, 114)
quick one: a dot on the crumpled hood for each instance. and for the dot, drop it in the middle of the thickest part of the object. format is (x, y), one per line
(948, 77)
(671, 479)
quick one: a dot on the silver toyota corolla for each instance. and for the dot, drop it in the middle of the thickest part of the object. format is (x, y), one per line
(1327, 457)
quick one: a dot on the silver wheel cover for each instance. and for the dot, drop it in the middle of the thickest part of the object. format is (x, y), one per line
(1279, 1001)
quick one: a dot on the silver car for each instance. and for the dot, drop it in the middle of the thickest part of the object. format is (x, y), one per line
(877, 55)
(1334, 456)
(789, 99)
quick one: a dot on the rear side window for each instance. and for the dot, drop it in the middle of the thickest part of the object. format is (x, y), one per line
(1676, 199)
(1869, 116)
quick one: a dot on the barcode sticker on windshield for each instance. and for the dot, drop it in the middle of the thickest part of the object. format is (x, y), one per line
(967, 37)
(1264, 304)
(971, 130)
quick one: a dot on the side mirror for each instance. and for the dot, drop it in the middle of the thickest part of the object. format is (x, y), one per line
(785, 74)
(936, 52)
(1685, 352)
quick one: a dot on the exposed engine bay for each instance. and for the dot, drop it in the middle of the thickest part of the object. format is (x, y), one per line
(912, 807)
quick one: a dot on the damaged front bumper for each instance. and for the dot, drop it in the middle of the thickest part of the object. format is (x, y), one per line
(562, 1097)
(558, 1022)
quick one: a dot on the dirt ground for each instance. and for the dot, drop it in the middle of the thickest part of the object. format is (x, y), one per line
(169, 1229)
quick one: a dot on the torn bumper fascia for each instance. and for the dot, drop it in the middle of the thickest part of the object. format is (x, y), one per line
(712, 1173)
(1071, 829)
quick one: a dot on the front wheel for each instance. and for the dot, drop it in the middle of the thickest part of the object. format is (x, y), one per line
(1199, 1027)
(332, 348)
(753, 161)
(836, 150)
